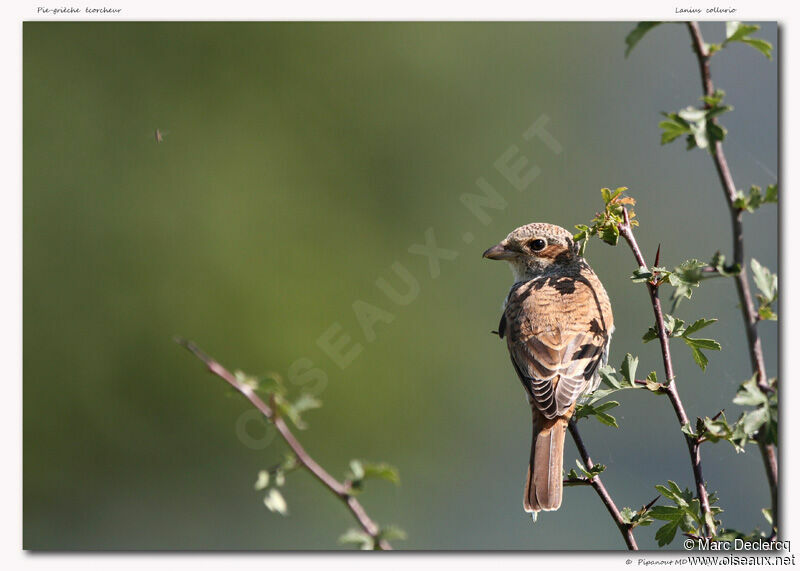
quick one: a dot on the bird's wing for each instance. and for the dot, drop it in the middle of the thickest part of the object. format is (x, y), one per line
(557, 334)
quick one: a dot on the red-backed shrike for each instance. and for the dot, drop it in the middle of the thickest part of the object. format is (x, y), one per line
(557, 322)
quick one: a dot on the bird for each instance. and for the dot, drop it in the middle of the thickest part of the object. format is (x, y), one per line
(557, 323)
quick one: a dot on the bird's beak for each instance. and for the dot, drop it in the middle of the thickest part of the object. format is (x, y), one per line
(499, 252)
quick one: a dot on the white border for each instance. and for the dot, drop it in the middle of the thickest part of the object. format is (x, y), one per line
(11, 235)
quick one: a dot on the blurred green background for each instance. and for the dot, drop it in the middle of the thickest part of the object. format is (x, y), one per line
(301, 161)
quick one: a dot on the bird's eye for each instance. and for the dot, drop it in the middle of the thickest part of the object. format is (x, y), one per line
(537, 244)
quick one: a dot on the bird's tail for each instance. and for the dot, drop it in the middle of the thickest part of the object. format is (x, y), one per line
(544, 482)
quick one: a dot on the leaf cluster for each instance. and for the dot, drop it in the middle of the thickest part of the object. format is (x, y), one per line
(685, 513)
(574, 478)
(751, 202)
(739, 32)
(605, 224)
(274, 500)
(274, 388)
(698, 125)
(361, 470)
(676, 327)
(734, 32)
(717, 429)
(755, 535)
(767, 284)
(642, 516)
(366, 542)
(635, 35)
(718, 263)
(615, 381)
(684, 277)
(764, 416)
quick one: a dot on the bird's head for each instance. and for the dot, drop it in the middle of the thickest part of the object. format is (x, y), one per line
(534, 249)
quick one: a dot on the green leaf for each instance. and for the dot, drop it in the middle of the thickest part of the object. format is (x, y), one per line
(610, 234)
(672, 128)
(263, 480)
(275, 502)
(381, 471)
(709, 344)
(636, 518)
(767, 284)
(573, 479)
(358, 537)
(666, 533)
(586, 410)
(641, 274)
(761, 45)
(356, 470)
(361, 470)
(749, 394)
(637, 34)
(628, 368)
(699, 125)
(738, 32)
(766, 281)
(717, 429)
(735, 31)
(666, 513)
(698, 325)
(684, 278)
(685, 514)
(673, 327)
(673, 492)
(765, 312)
(751, 202)
(754, 420)
(627, 514)
(287, 409)
(714, 99)
(607, 377)
(764, 417)
(652, 384)
(392, 533)
(718, 263)
(306, 402)
(696, 345)
(596, 469)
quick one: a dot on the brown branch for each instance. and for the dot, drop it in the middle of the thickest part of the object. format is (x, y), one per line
(625, 529)
(336, 488)
(749, 313)
(626, 231)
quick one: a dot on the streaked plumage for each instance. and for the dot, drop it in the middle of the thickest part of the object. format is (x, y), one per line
(557, 323)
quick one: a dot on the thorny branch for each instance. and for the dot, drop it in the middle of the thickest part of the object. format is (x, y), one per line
(625, 529)
(749, 314)
(626, 231)
(336, 488)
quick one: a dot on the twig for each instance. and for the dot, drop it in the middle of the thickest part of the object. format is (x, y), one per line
(749, 314)
(626, 232)
(625, 529)
(336, 488)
